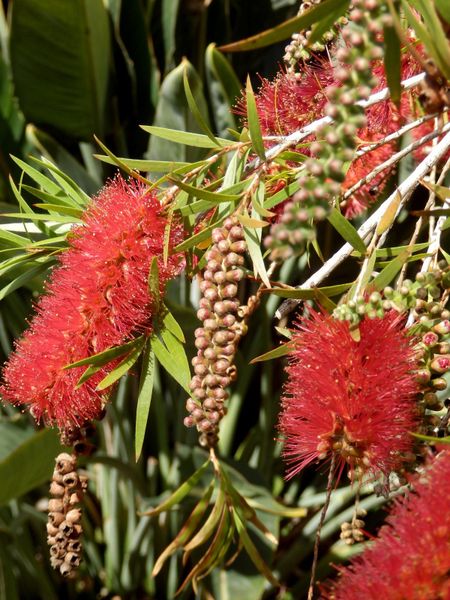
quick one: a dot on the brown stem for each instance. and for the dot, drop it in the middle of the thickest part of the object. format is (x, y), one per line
(319, 528)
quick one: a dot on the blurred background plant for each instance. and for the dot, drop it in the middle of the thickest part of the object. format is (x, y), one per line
(72, 70)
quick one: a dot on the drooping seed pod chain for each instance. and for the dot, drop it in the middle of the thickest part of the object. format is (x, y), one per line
(216, 340)
(64, 528)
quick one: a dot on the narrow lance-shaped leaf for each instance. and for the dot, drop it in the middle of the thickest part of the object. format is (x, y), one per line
(346, 229)
(209, 526)
(184, 137)
(144, 399)
(186, 531)
(181, 492)
(169, 351)
(281, 32)
(252, 550)
(102, 358)
(203, 125)
(123, 367)
(253, 121)
(392, 62)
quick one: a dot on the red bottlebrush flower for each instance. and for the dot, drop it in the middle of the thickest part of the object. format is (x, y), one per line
(351, 398)
(289, 102)
(411, 556)
(96, 298)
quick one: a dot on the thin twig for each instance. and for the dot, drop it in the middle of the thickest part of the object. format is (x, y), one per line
(392, 137)
(404, 190)
(297, 136)
(319, 527)
(394, 159)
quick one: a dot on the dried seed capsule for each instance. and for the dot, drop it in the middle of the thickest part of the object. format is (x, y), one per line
(56, 489)
(65, 463)
(70, 480)
(73, 516)
(55, 505)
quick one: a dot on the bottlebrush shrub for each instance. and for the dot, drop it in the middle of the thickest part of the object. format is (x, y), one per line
(355, 399)
(291, 101)
(96, 298)
(411, 556)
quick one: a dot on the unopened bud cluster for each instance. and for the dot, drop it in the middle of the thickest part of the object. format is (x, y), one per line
(433, 327)
(223, 325)
(64, 528)
(422, 295)
(299, 49)
(427, 297)
(336, 142)
(353, 532)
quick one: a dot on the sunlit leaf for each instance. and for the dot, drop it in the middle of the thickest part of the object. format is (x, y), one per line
(144, 399)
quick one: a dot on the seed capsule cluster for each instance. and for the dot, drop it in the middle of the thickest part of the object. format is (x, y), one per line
(216, 341)
(352, 532)
(64, 528)
(325, 170)
(299, 49)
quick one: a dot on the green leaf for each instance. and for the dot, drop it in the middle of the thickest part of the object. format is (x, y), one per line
(430, 32)
(251, 223)
(29, 465)
(115, 160)
(12, 239)
(45, 182)
(88, 180)
(106, 356)
(144, 399)
(186, 531)
(151, 166)
(444, 9)
(254, 248)
(431, 438)
(253, 121)
(173, 119)
(184, 137)
(201, 122)
(169, 17)
(310, 293)
(281, 32)
(172, 325)
(154, 285)
(224, 88)
(215, 197)
(346, 230)
(327, 22)
(278, 352)
(252, 550)
(41, 217)
(390, 271)
(60, 54)
(195, 239)
(23, 279)
(123, 367)
(388, 217)
(169, 351)
(58, 208)
(392, 63)
(210, 525)
(181, 492)
(282, 195)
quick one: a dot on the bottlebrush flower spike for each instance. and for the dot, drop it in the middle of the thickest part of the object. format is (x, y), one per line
(291, 101)
(411, 556)
(96, 298)
(351, 398)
